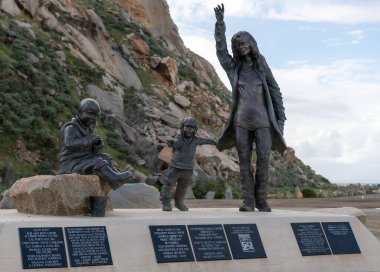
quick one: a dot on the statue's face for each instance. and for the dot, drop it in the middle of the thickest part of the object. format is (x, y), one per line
(88, 116)
(242, 46)
(189, 130)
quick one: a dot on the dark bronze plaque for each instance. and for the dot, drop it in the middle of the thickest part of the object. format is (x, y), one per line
(88, 246)
(42, 248)
(171, 243)
(311, 239)
(209, 242)
(245, 241)
(341, 238)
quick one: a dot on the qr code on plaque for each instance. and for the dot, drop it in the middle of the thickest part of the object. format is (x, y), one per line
(246, 243)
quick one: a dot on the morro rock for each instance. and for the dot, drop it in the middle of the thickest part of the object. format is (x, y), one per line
(56, 195)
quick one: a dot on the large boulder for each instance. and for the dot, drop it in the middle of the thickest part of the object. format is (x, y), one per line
(168, 69)
(9, 7)
(128, 133)
(136, 195)
(109, 101)
(205, 154)
(166, 154)
(140, 46)
(56, 195)
(29, 6)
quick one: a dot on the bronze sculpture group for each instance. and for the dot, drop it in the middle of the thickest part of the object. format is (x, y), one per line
(257, 116)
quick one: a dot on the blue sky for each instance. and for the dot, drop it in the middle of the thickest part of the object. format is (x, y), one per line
(325, 56)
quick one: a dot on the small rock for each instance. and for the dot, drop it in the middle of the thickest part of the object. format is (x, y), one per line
(229, 193)
(170, 120)
(6, 201)
(154, 61)
(182, 101)
(140, 177)
(61, 55)
(32, 58)
(152, 180)
(210, 195)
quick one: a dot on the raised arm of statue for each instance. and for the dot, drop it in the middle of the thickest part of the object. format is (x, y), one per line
(219, 13)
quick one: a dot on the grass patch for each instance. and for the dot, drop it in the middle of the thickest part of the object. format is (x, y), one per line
(147, 79)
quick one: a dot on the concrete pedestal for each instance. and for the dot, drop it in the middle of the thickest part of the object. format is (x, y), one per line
(132, 248)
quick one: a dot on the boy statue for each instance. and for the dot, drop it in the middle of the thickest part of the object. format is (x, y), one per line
(182, 164)
(79, 147)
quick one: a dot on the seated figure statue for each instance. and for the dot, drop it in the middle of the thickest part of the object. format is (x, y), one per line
(79, 147)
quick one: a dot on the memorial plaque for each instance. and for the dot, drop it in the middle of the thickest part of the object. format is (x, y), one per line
(341, 238)
(245, 241)
(209, 242)
(42, 248)
(171, 243)
(311, 239)
(88, 246)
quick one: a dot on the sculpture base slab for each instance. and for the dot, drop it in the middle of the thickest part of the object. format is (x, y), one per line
(132, 248)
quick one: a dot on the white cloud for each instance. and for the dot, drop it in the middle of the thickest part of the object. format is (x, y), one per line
(199, 10)
(356, 35)
(333, 115)
(335, 11)
(325, 11)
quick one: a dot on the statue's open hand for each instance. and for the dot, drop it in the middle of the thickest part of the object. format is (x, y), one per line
(219, 12)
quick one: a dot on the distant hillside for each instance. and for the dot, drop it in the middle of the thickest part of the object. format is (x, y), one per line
(128, 55)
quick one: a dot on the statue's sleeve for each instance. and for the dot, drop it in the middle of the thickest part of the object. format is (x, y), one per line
(74, 141)
(275, 94)
(204, 141)
(177, 143)
(225, 59)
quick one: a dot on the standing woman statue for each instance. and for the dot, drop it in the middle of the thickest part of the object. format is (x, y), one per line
(257, 112)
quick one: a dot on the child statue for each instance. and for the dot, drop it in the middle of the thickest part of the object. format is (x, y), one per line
(79, 147)
(182, 164)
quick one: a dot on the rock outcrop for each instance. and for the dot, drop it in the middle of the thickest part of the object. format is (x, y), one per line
(56, 195)
(9, 7)
(154, 15)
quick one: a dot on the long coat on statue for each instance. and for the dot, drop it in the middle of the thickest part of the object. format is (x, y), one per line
(272, 94)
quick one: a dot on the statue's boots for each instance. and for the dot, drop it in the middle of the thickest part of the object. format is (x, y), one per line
(166, 205)
(247, 206)
(113, 177)
(262, 206)
(180, 205)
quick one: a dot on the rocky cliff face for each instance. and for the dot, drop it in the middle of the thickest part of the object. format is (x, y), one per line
(128, 55)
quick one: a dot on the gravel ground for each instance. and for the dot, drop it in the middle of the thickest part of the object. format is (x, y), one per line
(369, 204)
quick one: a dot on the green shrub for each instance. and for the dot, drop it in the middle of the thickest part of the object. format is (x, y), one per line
(309, 193)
